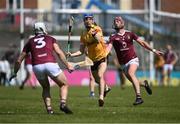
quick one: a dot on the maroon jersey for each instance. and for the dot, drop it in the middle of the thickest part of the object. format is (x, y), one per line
(28, 59)
(169, 57)
(123, 45)
(41, 49)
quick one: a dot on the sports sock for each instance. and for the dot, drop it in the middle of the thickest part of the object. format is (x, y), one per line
(101, 97)
(47, 101)
(63, 102)
(49, 108)
(138, 96)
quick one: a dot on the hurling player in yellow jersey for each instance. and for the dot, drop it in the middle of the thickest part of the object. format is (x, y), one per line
(92, 40)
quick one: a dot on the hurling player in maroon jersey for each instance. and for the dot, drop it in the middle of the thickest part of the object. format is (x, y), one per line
(41, 47)
(170, 58)
(122, 41)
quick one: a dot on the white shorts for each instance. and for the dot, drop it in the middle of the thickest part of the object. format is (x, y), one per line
(167, 67)
(132, 61)
(29, 68)
(47, 69)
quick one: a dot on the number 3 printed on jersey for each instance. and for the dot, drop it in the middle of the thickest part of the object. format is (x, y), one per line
(40, 43)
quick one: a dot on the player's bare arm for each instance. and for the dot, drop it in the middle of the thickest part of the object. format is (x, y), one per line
(78, 53)
(148, 47)
(19, 61)
(17, 65)
(61, 55)
(108, 47)
(96, 35)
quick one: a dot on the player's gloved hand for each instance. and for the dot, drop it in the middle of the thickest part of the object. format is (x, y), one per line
(12, 76)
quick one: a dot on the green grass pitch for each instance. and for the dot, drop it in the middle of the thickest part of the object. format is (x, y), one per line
(27, 106)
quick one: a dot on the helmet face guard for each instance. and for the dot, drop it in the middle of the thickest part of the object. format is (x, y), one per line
(39, 27)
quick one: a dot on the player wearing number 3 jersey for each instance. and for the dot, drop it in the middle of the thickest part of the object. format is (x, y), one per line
(41, 47)
(122, 41)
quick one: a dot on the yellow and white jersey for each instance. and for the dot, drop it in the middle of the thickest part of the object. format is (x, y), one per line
(96, 49)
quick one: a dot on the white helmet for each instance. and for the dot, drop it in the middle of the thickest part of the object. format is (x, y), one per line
(39, 27)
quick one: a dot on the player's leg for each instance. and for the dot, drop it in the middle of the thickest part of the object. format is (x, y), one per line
(41, 75)
(61, 81)
(131, 70)
(169, 77)
(46, 94)
(156, 75)
(91, 84)
(107, 88)
(99, 78)
(59, 78)
(4, 78)
(165, 68)
(122, 78)
(161, 75)
(100, 86)
(132, 78)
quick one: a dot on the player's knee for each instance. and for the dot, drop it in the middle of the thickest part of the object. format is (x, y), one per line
(63, 84)
(131, 74)
(98, 79)
(100, 75)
